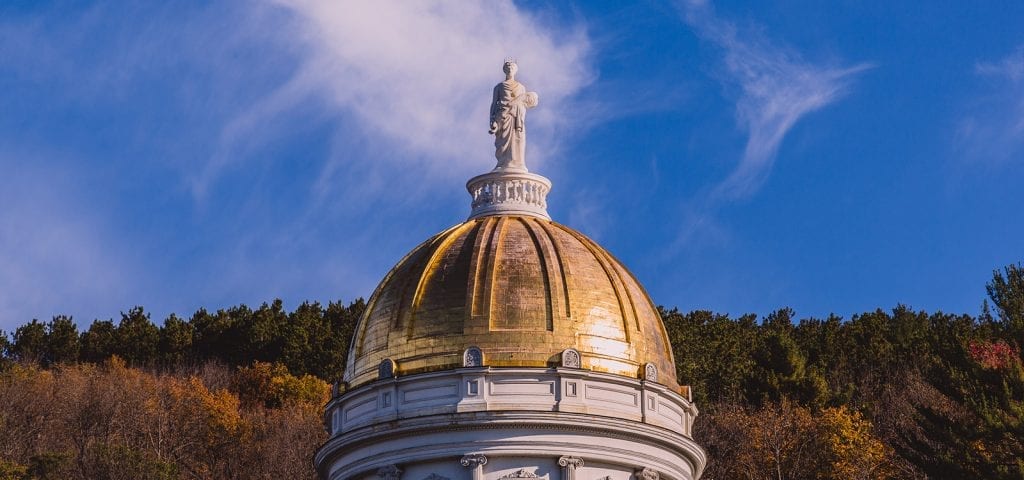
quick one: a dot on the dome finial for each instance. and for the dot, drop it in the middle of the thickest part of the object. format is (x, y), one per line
(510, 189)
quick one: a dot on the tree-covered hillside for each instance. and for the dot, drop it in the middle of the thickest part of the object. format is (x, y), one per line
(237, 393)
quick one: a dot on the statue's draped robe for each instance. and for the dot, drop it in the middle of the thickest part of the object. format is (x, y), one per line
(508, 111)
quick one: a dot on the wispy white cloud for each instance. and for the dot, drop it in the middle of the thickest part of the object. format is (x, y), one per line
(776, 88)
(993, 129)
(403, 89)
(415, 77)
(1011, 67)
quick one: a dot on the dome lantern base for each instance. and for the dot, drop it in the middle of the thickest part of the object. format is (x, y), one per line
(509, 192)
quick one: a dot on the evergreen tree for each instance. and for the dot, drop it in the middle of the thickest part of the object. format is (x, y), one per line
(305, 327)
(331, 353)
(781, 369)
(175, 341)
(210, 334)
(1006, 290)
(262, 333)
(137, 337)
(62, 342)
(712, 353)
(99, 342)
(5, 348)
(30, 342)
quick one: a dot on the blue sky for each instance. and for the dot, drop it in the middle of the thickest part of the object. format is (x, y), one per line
(833, 157)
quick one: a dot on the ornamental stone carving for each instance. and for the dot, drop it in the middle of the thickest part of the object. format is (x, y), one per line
(571, 358)
(650, 372)
(509, 190)
(646, 474)
(473, 357)
(389, 472)
(521, 473)
(386, 368)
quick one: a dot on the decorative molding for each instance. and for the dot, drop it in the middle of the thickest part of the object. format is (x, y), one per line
(465, 429)
(434, 476)
(473, 460)
(570, 393)
(473, 421)
(650, 372)
(389, 472)
(473, 357)
(387, 368)
(646, 474)
(571, 358)
(521, 473)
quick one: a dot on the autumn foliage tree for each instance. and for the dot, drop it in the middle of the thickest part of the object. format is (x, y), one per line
(113, 421)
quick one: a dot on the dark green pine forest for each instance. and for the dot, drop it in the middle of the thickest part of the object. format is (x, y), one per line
(237, 393)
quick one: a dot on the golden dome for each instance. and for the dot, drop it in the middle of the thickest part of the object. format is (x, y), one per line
(522, 289)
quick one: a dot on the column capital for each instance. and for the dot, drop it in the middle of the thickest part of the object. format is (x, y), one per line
(569, 465)
(474, 460)
(571, 462)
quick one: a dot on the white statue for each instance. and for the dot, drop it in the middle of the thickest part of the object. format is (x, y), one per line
(508, 119)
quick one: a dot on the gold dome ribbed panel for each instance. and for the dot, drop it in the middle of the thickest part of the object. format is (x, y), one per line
(522, 289)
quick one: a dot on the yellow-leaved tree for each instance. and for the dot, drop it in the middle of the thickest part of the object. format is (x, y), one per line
(211, 426)
(854, 451)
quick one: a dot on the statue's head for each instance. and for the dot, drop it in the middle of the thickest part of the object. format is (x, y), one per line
(510, 67)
